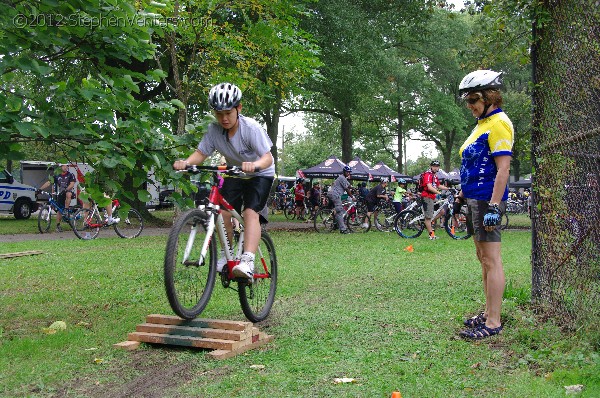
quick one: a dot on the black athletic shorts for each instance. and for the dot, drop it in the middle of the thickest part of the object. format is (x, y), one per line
(475, 214)
(248, 193)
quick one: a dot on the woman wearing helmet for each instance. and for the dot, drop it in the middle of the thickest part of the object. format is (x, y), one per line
(243, 142)
(484, 173)
(340, 185)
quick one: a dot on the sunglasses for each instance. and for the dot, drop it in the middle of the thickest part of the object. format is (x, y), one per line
(472, 101)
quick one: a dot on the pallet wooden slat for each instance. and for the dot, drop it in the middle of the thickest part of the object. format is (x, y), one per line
(226, 338)
(20, 254)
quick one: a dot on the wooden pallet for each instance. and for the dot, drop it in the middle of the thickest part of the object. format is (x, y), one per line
(20, 254)
(225, 338)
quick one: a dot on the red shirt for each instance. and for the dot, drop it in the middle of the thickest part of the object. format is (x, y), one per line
(299, 191)
(429, 178)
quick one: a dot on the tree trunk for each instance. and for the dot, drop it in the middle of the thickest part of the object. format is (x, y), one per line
(272, 123)
(346, 139)
(400, 137)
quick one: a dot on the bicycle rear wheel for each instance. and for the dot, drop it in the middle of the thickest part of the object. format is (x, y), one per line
(257, 298)
(130, 225)
(189, 278)
(384, 219)
(357, 222)
(45, 219)
(324, 221)
(290, 211)
(86, 224)
(408, 225)
(456, 225)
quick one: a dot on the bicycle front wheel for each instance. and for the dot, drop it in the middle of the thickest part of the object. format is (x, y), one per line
(408, 224)
(324, 221)
(257, 298)
(456, 224)
(86, 224)
(130, 225)
(45, 219)
(504, 221)
(190, 276)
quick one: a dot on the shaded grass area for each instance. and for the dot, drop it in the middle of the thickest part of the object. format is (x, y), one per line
(356, 306)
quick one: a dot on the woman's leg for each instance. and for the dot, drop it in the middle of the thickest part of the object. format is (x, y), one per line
(489, 255)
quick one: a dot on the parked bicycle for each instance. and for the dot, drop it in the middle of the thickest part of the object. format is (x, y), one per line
(356, 219)
(87, 222)
(47, 211)
(190, 266)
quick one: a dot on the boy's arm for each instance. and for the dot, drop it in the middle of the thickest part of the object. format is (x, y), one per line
(264, 162)
(195, 158)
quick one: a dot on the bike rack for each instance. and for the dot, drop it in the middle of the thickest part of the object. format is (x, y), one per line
(225, 338)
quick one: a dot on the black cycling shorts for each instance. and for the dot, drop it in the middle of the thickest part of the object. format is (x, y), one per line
(249, 193)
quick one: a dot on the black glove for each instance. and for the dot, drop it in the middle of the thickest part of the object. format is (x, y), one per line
(493, 216)
(456, 206)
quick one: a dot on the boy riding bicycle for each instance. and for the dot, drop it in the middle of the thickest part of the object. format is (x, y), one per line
(244, 143)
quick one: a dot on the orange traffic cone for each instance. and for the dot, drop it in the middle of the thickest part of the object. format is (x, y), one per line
(409, 249)
(396, 394)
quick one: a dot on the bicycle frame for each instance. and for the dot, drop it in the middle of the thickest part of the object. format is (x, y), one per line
(95, 210)
(215, 207)
(443, 206)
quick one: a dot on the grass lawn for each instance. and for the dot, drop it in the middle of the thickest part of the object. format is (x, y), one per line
(356, 306)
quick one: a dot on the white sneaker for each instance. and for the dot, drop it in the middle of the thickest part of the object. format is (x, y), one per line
(221, 261)
(111, 221)
(365, 225)
(245, 269)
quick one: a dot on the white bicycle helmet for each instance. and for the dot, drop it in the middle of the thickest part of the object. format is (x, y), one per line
(224, 96)
(480, 80)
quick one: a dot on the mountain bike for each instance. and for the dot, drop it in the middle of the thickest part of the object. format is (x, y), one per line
(52, 207)
(383, 216)
(410, 223)
(88, 221)
(356, 218)
(190, 265)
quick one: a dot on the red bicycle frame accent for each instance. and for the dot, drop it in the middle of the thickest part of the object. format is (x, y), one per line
(215, 198)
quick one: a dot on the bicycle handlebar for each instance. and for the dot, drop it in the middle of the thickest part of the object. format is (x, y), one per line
(225, 169)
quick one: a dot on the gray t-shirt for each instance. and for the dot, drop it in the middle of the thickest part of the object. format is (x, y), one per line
(339, 186)
(249, 143)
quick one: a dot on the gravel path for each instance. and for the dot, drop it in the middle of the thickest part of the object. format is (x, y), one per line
(68, 234)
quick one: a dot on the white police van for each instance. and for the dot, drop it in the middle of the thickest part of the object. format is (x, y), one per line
(16, 198)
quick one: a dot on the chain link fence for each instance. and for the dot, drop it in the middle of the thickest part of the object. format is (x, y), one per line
(566, 152)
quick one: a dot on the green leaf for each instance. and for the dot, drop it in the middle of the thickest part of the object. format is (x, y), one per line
(144, 196)
(177, 103)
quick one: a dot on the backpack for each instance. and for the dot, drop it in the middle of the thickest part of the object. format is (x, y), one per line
(421, 185)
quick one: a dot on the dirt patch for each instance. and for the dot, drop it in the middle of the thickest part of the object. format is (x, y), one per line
(149, 373)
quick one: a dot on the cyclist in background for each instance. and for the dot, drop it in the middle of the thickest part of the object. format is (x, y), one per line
(299, 195)
(399, 195)
(244, 143)
(375, 195)
(62, 184)
(431, 188)
(314, 197)
(340, 186)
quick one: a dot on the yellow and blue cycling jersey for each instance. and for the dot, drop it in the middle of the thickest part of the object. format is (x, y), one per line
(493, 136)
